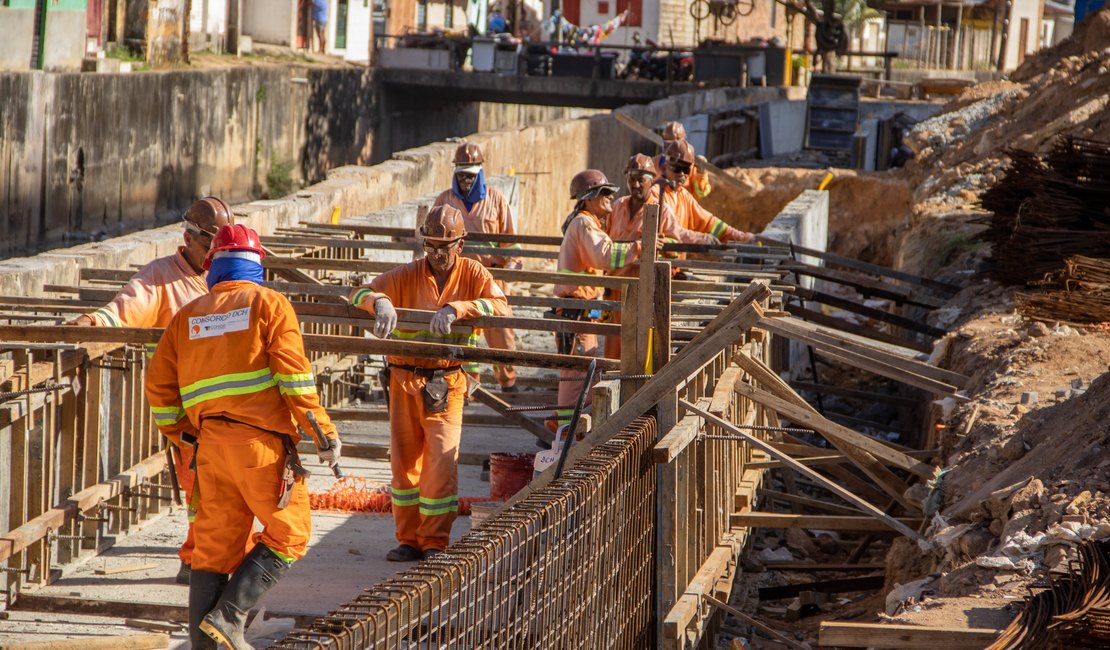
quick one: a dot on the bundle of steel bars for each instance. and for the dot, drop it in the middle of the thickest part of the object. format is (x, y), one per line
(1079, 294)
(1072, 611)
(1049, 207)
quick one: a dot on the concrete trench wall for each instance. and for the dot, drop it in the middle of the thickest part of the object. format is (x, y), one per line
(546, 155)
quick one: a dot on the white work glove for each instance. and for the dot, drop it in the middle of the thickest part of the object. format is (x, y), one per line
(330, 457)
(385, 318)
(441, 321)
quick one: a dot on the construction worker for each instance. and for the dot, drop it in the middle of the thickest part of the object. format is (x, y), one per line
(150, 298)
(426, 395)
(586, 248)
(230, 370)
(697, 182)
(678, 162)
(626, 223)
(486, 210)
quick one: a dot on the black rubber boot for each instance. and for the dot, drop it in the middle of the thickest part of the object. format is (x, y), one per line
(183, 574)
(258, 573)
(205, 588)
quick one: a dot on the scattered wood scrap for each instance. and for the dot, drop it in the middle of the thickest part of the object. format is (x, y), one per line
(904, 637)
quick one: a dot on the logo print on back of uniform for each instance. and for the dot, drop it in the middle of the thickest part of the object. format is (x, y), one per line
(236, 320)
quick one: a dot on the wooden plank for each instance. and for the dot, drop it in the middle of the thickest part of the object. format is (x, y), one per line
(875, 269)
(904, 637)
(805, 471)
(645, 296)
(841, 585)
(382, 415)
(410, 244)
(704, 583)
(538, 430)
(866, 285)
(854, 393)
(818, 522)
(679, 437)
(846, 344)
(407, 233)
(834, 432)
(821, 318)
(817, 567)
(816, 504)
(889, 371)
(855, 307)
(114, 642)
(126, 568)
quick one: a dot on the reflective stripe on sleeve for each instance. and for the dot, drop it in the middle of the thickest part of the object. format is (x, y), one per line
(108, 317)
(360, 294)
(718, 228)
(484, 306)
(618, 257)
(165, 416)
(296, 384)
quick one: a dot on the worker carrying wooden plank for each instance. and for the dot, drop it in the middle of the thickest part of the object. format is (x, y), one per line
(231, 372)
(678, 163)
(485, 210)
(426, 396)
(151, 298)
(586, 248)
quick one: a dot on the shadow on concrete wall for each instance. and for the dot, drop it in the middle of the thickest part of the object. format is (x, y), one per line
(340, 121)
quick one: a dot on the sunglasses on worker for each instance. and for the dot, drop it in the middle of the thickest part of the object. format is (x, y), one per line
(440, 248)
(680, 167)
(197, 231)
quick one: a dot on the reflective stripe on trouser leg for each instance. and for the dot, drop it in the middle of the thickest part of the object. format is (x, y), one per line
(239, 483)
(406, 445)
(585, 345)
(439, 482)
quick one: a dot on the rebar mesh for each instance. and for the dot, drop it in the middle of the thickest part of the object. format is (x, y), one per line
(570, 566)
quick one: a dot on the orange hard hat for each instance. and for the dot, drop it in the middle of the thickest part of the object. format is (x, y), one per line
(235, 237)
(640, 164)
(680, 151)
(443, 223)
(211, 209)
(588, 183)
(468, 155)
(674, 131)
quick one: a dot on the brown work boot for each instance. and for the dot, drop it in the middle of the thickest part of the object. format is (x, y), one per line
(258, 573)
(404, 553)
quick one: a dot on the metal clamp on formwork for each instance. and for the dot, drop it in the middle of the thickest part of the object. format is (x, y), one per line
(110, 506)
(82, 517)
(29, 573)
(53, 536)
(139, 493)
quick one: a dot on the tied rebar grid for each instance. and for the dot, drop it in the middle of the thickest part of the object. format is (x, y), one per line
(570, 566)
(1071, 611)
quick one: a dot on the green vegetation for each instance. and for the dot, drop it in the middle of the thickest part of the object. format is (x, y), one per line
(138, 63)
(279, 180)
(956, 245)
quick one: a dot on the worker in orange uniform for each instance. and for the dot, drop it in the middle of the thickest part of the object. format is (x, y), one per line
(678, 162)
(586, 248)
(150, 298)
(698, 181)
(231, 371)
(426, 395)
(626, 223)
(485, 210)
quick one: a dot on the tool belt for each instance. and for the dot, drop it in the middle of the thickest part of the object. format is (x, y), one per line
(291, 468)
(436, 389)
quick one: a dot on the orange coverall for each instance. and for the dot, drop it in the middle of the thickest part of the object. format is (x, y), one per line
(231, 368)
(586, 248)
(490, 215)
(692, 216)
(424, 446)
(150, 299)
(624, 226)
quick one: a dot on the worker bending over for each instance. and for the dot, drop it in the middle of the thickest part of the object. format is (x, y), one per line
(586, 248)
(231, 371)
(698, 181)
(426, 395)
(150, 298)
(626, 223)
(678, 163)
(486, 210)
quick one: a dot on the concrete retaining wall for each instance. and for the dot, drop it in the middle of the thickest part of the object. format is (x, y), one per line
(546, 155)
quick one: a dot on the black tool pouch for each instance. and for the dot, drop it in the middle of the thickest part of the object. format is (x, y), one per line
(435, 393)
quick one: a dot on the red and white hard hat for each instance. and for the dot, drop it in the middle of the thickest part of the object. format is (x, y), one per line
(235, 237)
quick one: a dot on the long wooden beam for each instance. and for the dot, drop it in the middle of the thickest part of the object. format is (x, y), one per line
(406, 233)
(315, 343)
(904, 637)
(819, 522)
